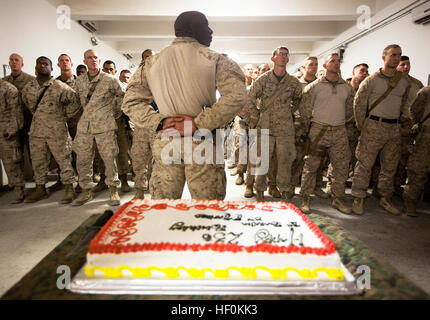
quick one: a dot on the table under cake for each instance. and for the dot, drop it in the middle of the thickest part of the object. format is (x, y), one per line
(386, 282)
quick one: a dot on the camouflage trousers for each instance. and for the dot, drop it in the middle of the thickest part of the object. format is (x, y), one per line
(405, 138)
(238, 141)
(285, 155)
(335, 143)
(418, 166)
(376, 137)
(11, 155)
(124, 145)
(141, 156)
(175, 164)
(84, 146)
(273, 170)
(41, 150)
(297, 167)
(353, 135)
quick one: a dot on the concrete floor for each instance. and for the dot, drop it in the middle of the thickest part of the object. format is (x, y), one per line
(28, 232)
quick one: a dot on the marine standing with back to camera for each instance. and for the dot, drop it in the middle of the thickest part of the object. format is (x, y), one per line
(182, 79)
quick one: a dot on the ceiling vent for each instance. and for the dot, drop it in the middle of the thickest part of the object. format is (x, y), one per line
(421, 15)
(88, 25)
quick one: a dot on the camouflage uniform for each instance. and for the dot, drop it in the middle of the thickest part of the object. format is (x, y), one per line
(19, 82)
(378, 135)
(418, 166)
(124, 145)
(330, 105)
(205, 181)
(72, 123)
(278, 118)
(353, 134)
(11, 120)
(48, 131)
(406, 136)
(97, 125)
(300, 130)
(141, 156)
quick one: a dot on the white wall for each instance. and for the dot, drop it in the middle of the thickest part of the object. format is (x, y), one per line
(29, 28)
(414, 40)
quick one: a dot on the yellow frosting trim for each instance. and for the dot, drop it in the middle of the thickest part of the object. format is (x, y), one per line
(246, 272)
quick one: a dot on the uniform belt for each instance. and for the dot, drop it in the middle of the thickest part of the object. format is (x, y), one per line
(328, 126)
(383, 119)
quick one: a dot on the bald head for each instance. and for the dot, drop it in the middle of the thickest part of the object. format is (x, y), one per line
(195, 25)
(16, 63)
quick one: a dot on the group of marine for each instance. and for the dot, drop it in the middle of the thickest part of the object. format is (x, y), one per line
(95, 124)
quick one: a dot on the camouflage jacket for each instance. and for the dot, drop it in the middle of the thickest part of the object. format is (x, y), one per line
(19, 81)
(278, 117)
(104, 106)
(57, 105)
(224, 74)
(328, 103)
(11, 116)
(71, 82)
(373, 87)
(420, 108)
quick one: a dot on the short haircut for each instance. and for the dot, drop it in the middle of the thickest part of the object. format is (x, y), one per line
(143, 53)
(81, 66)
(391, 46)
(125, 71)
(279, 48)
(329, 55)
(361, 64)
(43, 57)
(109, 62)
(63, 54)
(310, 58)
(404, 58)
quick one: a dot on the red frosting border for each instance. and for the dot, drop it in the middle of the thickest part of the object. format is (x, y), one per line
(128, 222)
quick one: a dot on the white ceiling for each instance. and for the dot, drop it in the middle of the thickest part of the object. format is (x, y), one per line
(248, 30)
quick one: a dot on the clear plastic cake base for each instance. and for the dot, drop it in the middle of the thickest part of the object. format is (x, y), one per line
(132, 286)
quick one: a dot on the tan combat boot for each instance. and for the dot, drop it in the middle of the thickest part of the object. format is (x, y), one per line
(249, 192)
(304, 206)
(114, 199)
(239, 179)
(357, 206)
(85, 196)
(18, 195)
(101, 185)
(410, 208)
(124, 183)
(320, 193)
(39, 194)
(338, 204)
(140, 194)
(274, 192)
(69, 194)
(259, 196)
(388, 206)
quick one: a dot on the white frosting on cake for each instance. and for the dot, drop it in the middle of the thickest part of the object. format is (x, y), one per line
(239, 228)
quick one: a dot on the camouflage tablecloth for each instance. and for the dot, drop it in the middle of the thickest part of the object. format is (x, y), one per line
(386, 282)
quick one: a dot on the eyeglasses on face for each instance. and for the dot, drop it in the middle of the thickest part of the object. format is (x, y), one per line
(283, 54)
